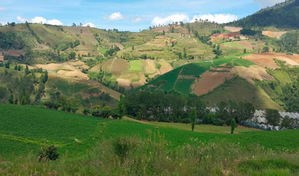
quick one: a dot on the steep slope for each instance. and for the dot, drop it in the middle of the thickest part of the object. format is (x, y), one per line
(283, 15)
(232, 78)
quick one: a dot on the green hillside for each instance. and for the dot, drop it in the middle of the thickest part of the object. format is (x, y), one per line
(24, 129)
(283, 15)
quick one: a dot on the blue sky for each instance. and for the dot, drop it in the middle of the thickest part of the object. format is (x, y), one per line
(132, 15)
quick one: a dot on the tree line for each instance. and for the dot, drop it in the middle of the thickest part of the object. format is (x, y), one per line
(156, 106)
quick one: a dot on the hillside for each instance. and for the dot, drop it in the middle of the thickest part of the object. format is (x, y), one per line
(83, 141)
(283, 15)
(233, 78)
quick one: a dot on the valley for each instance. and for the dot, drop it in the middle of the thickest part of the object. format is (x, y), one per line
(187, 97)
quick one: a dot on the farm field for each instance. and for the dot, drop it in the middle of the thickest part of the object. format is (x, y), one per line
(33, 126)
(82, 139)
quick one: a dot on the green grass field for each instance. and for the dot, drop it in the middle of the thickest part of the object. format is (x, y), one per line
(87, 146)
(136, 65)
(30, 127)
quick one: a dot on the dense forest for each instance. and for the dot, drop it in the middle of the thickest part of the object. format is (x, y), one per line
(283, 15)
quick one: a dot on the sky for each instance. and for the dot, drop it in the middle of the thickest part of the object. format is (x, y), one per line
(126, 15)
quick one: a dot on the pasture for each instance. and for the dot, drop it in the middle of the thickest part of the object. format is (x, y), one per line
(87, 146)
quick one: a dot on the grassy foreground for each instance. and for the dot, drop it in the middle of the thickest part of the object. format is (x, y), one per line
(90, 146)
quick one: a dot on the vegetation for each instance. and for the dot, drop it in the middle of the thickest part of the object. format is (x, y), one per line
(284, 90)
(277, 16)
(109, 141)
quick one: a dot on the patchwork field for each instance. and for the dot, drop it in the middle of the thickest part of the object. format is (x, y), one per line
(134, 73)
(68, 70)
(266, 60)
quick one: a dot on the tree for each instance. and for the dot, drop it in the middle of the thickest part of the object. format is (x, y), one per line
(45, 78)
(244, 111)
(184, 53)
(193, 118)
(233, 125)
(273, 117)
(72, 56)
(27, 70)
(287, 123)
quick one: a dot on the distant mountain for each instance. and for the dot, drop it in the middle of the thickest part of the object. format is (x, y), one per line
(282, 15)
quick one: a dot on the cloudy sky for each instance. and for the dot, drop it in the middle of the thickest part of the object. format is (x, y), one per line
(132, 15)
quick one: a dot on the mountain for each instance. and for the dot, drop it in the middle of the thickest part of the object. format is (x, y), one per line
(282, 15)
(89, 66)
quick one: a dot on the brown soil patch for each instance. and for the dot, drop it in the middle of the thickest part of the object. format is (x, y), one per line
(267, 59)
(119, 65)
(274, 34)
(165, 67)
(150, 66)
(126, 83)
(15, 53)
(71, 70)
(209, 81)
(116, 66)
(120, 46)
(252, 73)
(231, 35)
(232, 28)
(96, 68)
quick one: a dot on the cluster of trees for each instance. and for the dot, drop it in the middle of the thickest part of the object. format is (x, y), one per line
(112, 51)
(250, 32)
(290, 42)
(22, 86)
(10, 40)
(274, 118)
(217, 51)
(106, 79)
(63, 103)
(155, 106)
(287, 95)
(102, 112)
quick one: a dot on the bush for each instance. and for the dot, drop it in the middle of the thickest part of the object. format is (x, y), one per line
(48, 153)
(122, 146)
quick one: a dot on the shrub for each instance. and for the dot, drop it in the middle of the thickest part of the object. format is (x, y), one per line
(48, 153)
(122, 147)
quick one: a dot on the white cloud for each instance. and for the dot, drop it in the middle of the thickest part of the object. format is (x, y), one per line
(137, 20)
(41, 20)
(115, 16)
(89, 24)
(22, 20)
(264, 3)
(170, 19)
(55, 22)
(218, 18)
(2, 9)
